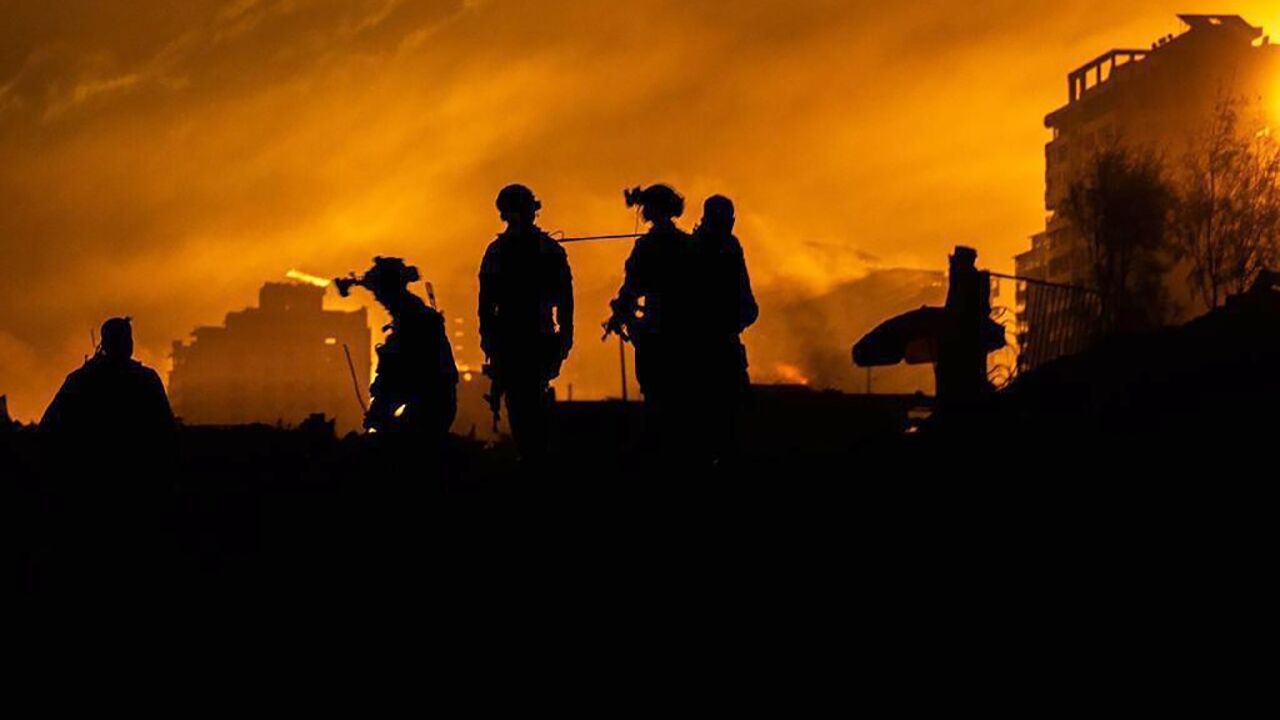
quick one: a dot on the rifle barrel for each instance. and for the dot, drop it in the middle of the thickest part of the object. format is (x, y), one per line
(355, 383)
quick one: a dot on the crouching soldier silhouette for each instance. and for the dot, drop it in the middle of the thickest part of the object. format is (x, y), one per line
(526, 319)
(112, 395)
(415, 390)
(651, 312)
(728, 307)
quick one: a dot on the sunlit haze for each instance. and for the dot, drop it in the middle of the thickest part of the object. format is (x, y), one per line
(162, 160)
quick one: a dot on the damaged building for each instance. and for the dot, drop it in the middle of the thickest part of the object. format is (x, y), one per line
(276, 363)
(1159, 98)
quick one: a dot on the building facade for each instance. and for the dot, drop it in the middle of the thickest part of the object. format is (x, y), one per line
(277, 363)
(1155, 99)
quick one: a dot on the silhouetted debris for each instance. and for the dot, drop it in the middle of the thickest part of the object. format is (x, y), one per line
(258, 505)
(1210, 385)
(1263, 288)
(911, 337)
(318, 426)
(956, 338)
(969, 334)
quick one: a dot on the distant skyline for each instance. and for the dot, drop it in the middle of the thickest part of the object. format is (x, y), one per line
(162, 160)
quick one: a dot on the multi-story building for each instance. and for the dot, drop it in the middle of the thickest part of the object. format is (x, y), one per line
(1154, 99)
(277, 363)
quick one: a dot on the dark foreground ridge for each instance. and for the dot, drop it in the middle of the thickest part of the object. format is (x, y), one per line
(1212, 383)
(1091, 504)
(267, 508)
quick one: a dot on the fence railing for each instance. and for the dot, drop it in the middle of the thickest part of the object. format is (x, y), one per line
(1053, 319)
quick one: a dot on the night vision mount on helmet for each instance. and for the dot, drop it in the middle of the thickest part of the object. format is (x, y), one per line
(386, 271)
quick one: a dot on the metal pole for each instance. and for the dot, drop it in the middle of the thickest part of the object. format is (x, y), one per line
(1043, 283)
(586, 238)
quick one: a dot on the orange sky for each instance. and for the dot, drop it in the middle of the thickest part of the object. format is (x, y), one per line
(163, 159)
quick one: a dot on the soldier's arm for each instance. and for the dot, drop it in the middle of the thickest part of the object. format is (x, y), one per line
(448, 367)
(53, 415)
(632, 283)
(158, 402)
(488, 309)
(748, 310)
(564, 308)
(627, 302)
(56, 415)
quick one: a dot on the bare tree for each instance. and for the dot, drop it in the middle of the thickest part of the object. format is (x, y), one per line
(1121, 206)
(1227, 222)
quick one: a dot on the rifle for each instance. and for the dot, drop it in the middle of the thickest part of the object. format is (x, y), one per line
(494, 396)
(615, 326)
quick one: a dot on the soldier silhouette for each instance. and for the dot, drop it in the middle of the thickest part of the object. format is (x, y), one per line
(526, 319)
(652, 311)
(728, 308)
(112, 395)
(415, 390)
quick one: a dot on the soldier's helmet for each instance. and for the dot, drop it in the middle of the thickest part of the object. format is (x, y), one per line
(717, 213)
(517, 199)
(389, 273)
(657, 201)
(117, 338)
